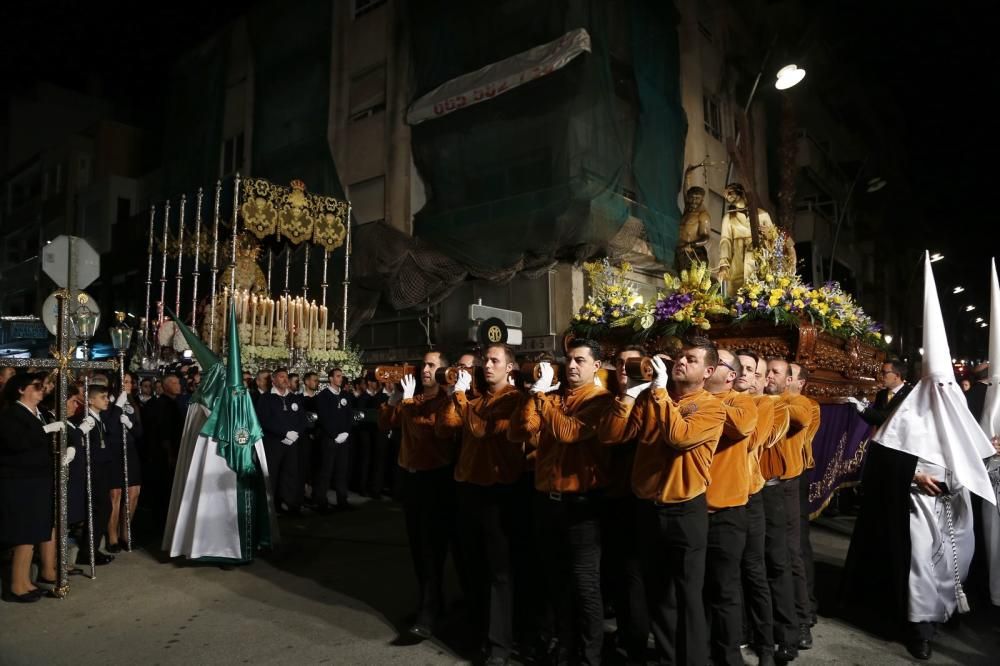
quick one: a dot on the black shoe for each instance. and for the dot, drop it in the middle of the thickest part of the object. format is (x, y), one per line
(100, 559)
(805, 637)
(765, 659)
(26, 598)
(919, 648)
(785, 653)
(114, 548)
(421, 631)
(497, 661)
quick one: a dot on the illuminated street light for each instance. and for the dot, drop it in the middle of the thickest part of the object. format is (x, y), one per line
(958, 290)
(970, 308)
(788, 76)
(888, 339)
(937, 256)
(979, 320)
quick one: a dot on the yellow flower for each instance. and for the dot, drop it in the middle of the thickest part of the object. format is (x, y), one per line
(798, 303)
(754, 304)
(679, 316)
(784, 282)
(797, 292)
(740, 300)
(769, 277)
(777, 293)
(773, 302)
(705, 325)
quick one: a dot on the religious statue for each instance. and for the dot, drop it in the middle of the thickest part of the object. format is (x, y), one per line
(736, 256)
(694, 232)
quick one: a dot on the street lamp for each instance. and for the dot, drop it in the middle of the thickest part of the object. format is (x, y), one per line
(958, 290)
(84, 322)
(888, 339)
(936, 257)
(970, 308)
(788, 76)
(121, 339)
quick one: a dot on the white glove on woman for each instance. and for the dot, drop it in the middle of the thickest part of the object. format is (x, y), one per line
(464, 381)
(409, 387)
(87, 425)
(55, 426)
(126, 421)
(68, 456)
(544, 383)
(341, 438)
(660, 375)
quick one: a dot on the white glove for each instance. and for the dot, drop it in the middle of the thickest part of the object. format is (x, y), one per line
(55, 426)
(128, 409)
(341, 438)
(126, 421)
(87, 425)
(598, 382)
(409, 387)
(464, 381)
(122, 400)
(544, 383)
(292, 436)
(634, 391)
(510, 381)
(858, 405)
(68, 456)
(660, 375)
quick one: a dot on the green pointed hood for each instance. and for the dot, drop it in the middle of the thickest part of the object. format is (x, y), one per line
(205, 356)
(233, 422)
(213, 372)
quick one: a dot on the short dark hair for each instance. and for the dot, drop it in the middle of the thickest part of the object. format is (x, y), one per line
(308, 375)
(277, 370)
(329, 373)
(592, 345)
(441, 355)
(96, 389)
(507, 350)
(701, 342)
(263, 371)
(292, 374)
(748, 352)
(474, 353)
(803, 372)
(630, 348)
(898, 367)
(692, 190)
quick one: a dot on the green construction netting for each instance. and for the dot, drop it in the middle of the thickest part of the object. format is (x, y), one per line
(192, 134)
(291, 45)
(540, 173)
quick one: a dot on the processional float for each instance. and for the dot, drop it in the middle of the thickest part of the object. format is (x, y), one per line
(276, 327)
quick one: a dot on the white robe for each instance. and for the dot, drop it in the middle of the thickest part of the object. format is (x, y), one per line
(991, 530)
(933, 594)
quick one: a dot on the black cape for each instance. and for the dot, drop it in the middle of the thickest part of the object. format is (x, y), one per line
(875, 588)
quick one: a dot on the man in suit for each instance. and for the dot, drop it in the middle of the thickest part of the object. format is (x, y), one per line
(283, 420)
(886, 400)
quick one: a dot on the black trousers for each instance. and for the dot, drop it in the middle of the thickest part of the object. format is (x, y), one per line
(487, 516)
(727, 535)
(779, 574)
(756, 591)
(100, 480)
(806, 547)
(622, 572)
(304, 447)
(569, 533)
(335, 463)
(283, 468)
(429, 507)
(674, 541)
(377, 443)
(793, 518)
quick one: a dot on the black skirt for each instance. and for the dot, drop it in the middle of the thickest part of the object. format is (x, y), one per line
(134, 467)
(26, 511)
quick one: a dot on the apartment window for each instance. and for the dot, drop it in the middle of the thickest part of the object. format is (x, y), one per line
(368, 92)
(713, 115)
(362, 7)
(124, 210)
(232, 154)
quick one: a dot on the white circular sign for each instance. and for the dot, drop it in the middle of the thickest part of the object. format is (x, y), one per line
(50, 309)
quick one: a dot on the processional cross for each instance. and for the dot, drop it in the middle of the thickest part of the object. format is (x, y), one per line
(63, 362)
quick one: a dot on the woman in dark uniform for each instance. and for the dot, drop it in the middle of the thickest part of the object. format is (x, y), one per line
(126, 418)
(26, 497)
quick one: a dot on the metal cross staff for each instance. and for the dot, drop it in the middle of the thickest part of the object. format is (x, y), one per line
(63, 361)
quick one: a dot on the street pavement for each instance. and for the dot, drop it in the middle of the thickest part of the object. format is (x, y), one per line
(339, 593)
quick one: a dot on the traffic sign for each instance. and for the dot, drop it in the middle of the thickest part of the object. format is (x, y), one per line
(71, 257)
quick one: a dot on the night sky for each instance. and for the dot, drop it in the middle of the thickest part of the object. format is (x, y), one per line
(929, 60)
